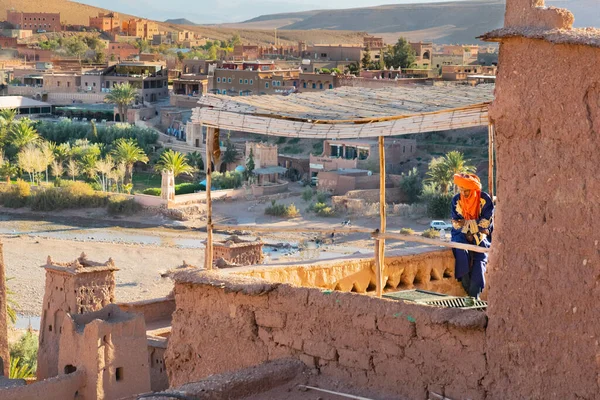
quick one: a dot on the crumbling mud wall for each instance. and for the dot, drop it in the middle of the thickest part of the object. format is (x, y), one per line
(429, 270)
(394, 348)
(60, 387)
(544, 275)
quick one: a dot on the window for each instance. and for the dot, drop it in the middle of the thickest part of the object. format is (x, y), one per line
(330, 86)
(241, 81)
(245, 81)
(229, 80)
(69, 84)
(314, 86)
(86, 84)
(58, 83)
(321, 86)
(218, 80)
(324, 55)
(241, 93)
(119, 374)
(304, 85)
(267, 85)
(403, 149)
(251, 81)
(94, 84)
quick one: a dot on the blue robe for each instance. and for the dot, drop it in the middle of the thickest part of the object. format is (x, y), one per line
(470, 266)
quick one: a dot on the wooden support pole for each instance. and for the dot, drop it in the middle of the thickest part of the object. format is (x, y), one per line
(380, 243)
(208, 255)
(297, 228)
(432, 242)
(491, 160)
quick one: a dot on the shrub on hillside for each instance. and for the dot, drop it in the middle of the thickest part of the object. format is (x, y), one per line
(122, 205)
(307, 194)
(188, 188)
(71, 195)
(152, 191)
(17, 195)
(431, 233)
(281, 210)
(407, 231)
(323, 210)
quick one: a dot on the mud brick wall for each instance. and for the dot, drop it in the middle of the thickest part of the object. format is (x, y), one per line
(544, 270)
(394, 348)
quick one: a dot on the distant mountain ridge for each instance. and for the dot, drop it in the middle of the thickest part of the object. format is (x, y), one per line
(448, 22)
(180, 21)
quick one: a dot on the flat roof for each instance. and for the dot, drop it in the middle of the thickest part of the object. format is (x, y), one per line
(20, 101)
(351, 103)
(351, 112)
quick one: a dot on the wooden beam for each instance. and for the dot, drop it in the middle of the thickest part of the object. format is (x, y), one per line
(491, 146)
(433, 242)
(380, 242)
(297, 228)
(208, 255)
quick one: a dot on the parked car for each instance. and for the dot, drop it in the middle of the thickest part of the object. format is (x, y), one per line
(439, 225)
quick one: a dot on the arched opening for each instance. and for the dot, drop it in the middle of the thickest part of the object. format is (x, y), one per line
(69, 369)
(223, 168)
(1, 366)
(117, 118)
(426, 55)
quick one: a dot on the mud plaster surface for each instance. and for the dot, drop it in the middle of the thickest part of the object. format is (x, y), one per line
(544, 273)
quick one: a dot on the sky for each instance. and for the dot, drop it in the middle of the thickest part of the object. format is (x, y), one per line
(220, 11)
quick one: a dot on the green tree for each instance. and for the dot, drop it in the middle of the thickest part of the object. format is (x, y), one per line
(99, 57)
(128, 152)
(142, 45)
(442, 170)
(366, 59)
(250, 165)
(195, 160)
(75, 46)
(399, 55)
(24, 352)
(231, 153)
(412, 185)
(122, 96)
(213, 52)
(236, 40)
(353, 68)
(175, 162)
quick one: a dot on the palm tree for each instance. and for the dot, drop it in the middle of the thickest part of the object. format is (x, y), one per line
(7, 116)
(456, 163)
(175, 162)
(128, 152)
(7, 170)
(442, 170)
(195, 160)
(122, 96)
(23, 134)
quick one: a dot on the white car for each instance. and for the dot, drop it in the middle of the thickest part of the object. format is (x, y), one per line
(439, 225)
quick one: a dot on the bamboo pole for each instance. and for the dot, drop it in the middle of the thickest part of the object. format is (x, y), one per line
(208, 255)
(433, 242)
(380, 242)
(491, 160)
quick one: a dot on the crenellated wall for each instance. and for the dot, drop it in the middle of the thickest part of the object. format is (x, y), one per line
(428, 270)
(395, 349)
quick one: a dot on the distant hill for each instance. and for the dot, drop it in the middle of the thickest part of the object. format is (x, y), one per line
(443, 22)
(180, 21)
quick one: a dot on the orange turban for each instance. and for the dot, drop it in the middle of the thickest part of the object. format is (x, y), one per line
(470, 206)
